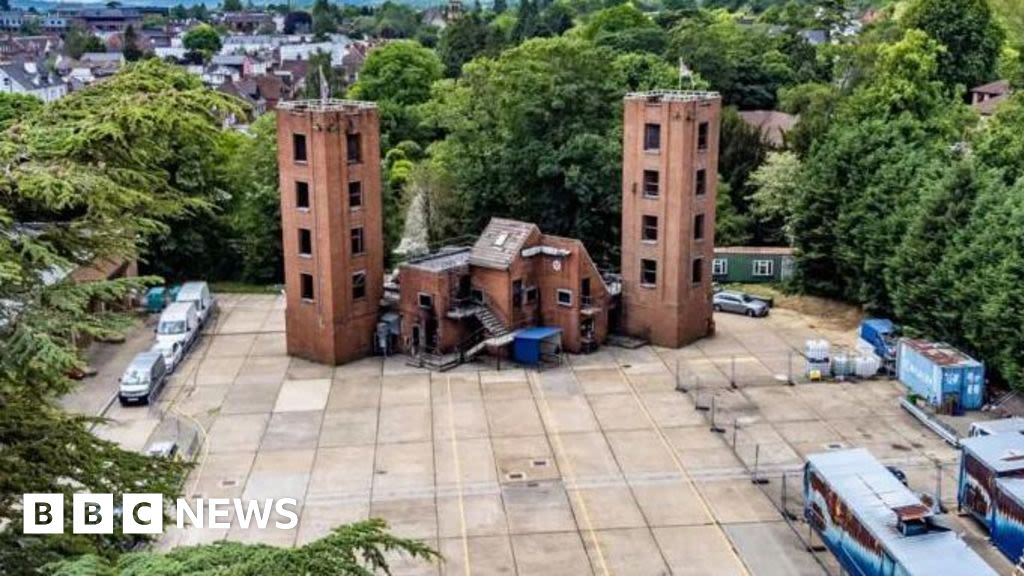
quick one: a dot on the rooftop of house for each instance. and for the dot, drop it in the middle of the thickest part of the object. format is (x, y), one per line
(990, 105)
(995, 88)
(442, 260)
(500, 243)
(102, 57)
(773, 124)
(755, 250)
(30, 75)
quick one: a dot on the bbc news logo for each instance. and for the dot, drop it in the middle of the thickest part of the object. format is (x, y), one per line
(144, 513)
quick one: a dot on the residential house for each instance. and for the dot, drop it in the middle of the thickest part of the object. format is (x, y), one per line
(108, 19)
(752, 264)
(987, 97)
(34, 78)
(772, 124)
(247, 22)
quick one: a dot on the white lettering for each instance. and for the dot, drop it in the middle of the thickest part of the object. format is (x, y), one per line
(293, 517)
(244, 515)
(218, 508)
(184, 509)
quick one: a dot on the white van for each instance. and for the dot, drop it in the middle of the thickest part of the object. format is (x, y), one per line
(199, 294)
(176, 331)
(142, 379)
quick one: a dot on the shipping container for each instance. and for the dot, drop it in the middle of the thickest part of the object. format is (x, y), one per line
(944, 376)
(875, 526)
(991, 488)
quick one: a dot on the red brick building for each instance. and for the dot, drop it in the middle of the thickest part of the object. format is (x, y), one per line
(514, 276)
(329, 162)
(460, 301)
(669, 179)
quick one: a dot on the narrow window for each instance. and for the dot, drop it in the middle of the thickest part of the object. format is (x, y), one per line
(531, 295)
(701, 186)
(648, 273)
(651, 187)
(517, 293)
(702, 136)
(652, 137)
(697, 271)
(355, 194)
(302, 195)
(299, 147)
(426, 300)
(359, 285)
(698, 227)
(305, 242)
(649, 233)
(564, 297)
(352, 145)
(719, 267)
(306, 286)
(357, 241)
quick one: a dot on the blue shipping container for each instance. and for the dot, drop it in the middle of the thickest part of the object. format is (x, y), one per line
(941, 374)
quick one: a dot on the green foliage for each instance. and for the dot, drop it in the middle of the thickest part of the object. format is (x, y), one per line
(130, 45)
(325, 19)
(461, 41)
(254, 214)
(398, 76)
(741, 150)
(616, 19)
(95, 173)
(744, 63)
(774, 184)
(231, 6)
(15, 107)
(203, 39)
(78, 41)
(639, 72)
(358, 549)
(534, 135)
(969, 32)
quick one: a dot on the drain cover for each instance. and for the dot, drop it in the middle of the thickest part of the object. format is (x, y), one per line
(225, 483)
(540, 463)
(516, 476)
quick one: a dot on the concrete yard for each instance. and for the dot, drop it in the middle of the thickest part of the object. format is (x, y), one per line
(599, 466)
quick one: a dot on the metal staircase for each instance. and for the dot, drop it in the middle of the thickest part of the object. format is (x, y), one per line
(494, 327)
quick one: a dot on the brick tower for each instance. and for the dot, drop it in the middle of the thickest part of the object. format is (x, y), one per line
(328, 153)
(669, 176)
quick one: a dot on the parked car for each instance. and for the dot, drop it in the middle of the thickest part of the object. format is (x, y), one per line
(142, 379)
(176, 331)
(739, 303)
(197, 293)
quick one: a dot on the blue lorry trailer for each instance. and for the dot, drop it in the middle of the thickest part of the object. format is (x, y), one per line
(991, 488)
(875, 526)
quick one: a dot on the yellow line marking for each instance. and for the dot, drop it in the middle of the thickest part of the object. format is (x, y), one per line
(553, 432)
(458, 476)
(682, 469)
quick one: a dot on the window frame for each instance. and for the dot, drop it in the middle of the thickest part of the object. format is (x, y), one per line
(559, 293)
(425, 300)
(700, 182)
(357, 234)
(530, 294)
(656, 183)
(646, 226)
(303, 279)
(720, 267)
(302, 192)
(359, 285)
(652, 128)
(703, 132)
(305, 234)
(358, 184)
(755, 268)
(698, 226)
(644, 262)
(296, 138)
(697, 271)
(356, 158)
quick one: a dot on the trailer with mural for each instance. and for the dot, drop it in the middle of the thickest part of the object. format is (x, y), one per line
(875, 526)
(991, 488)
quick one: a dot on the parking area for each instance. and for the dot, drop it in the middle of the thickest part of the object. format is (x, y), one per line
(605, 465)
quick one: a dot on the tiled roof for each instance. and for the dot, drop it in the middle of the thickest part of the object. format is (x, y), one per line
(996, 88)
(772, 124)
(500, 243)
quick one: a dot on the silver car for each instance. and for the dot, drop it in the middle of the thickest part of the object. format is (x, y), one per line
(739, 303)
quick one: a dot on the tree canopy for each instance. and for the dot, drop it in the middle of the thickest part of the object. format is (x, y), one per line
(968, 31)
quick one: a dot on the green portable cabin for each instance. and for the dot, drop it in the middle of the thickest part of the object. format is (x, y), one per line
(752, 264)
